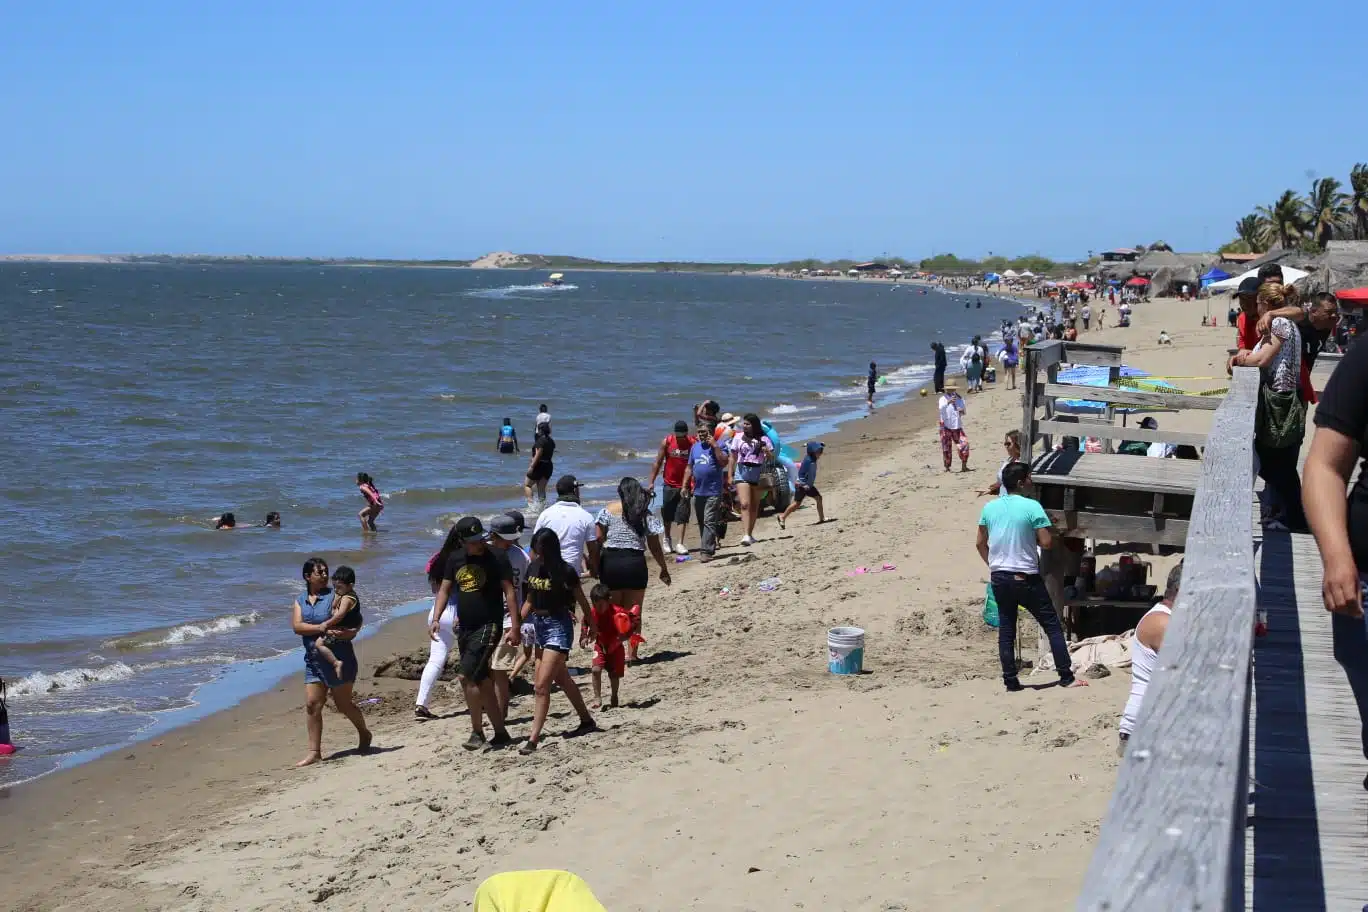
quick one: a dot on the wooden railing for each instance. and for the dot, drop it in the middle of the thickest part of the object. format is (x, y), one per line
(1174, 834)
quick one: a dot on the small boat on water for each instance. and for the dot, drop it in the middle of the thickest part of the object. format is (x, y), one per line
(553, 280)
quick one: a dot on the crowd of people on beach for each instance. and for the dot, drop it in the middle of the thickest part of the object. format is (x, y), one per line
(504, 610)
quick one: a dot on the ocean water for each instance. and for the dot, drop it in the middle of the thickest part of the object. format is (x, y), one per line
(139, 402)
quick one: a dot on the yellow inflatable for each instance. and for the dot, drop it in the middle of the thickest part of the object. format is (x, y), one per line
(536, 891)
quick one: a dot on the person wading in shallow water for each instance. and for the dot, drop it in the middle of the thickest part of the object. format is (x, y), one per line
(309, 612)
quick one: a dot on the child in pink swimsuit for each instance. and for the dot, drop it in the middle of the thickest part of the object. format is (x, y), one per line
(366, 485)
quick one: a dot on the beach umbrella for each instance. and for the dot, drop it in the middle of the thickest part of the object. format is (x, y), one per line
(1138, 282)
(1290, 274)
(1353, 294)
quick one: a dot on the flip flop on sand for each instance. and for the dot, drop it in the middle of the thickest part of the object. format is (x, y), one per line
(861, 571)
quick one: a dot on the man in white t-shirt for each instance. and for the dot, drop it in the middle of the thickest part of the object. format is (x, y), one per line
(573, 524)
(1011, 532)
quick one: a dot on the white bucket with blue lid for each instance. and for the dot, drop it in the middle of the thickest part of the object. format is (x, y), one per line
(845, 650)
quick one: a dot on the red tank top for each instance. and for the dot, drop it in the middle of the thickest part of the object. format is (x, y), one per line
(676, 460)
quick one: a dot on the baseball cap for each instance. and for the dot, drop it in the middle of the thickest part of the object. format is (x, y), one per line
(1149, 424)
(568, 484)
(519, 519)
(681, 427)
(469, 528)
(1249, 286)
(505, 527)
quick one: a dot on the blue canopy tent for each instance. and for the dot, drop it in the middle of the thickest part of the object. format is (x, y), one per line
(991, 277)
(1214, 275)
(1113, 281)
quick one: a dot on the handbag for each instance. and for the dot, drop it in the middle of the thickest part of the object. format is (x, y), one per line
(990, 609)
(1280, 419)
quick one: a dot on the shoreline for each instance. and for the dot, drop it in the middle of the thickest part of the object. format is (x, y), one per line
(711, 763)
(242, 680)
(233, 740)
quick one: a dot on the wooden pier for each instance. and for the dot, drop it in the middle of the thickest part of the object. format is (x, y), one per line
(1242, 785)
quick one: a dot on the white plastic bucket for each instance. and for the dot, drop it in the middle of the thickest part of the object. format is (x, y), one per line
(845, 650)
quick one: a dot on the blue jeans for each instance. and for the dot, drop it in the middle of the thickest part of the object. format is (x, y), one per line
(1027, 590)
(1350, 638)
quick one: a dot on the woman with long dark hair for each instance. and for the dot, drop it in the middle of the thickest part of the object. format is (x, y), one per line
(624, 536)
(749, 451)
(309, 612)
(553, 589)
(439, 648)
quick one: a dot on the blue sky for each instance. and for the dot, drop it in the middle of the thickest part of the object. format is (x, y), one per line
(753, 131)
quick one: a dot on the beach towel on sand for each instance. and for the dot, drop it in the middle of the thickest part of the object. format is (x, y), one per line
(535, 891)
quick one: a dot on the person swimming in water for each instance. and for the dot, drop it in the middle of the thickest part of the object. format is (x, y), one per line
(226, 521)
(272, 520)
(374, 505)
(508, 438)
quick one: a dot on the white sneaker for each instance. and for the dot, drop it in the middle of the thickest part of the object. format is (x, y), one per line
(669, 544)
(680, 549)
(747, 541)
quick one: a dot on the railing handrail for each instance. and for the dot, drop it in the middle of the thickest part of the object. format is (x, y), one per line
(1174, 833)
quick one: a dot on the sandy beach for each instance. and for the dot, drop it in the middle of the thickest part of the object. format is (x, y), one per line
(740, 774)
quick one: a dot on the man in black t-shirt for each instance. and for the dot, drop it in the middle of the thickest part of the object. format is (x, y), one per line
(480, 579)
(1340, 526)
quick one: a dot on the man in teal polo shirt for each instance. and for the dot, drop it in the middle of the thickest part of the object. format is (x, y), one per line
(1011, 531)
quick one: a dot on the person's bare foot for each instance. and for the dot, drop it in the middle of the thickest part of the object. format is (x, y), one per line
(1077, 682)
(613, 703)
(312, 758)
(365, 743)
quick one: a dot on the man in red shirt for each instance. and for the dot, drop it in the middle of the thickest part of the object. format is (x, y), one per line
(673, 456)
(1246, 335)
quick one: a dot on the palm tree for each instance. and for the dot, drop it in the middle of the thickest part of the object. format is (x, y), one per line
(1285, 218)
(1358, 201)
(1327, 210)
(1253, 230)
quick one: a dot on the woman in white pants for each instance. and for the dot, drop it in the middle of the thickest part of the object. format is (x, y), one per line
(446, 635)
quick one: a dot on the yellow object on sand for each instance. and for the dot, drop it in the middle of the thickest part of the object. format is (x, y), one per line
(536, 891)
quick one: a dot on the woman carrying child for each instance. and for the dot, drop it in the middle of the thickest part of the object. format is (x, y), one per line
(311, 612)
(553, 589)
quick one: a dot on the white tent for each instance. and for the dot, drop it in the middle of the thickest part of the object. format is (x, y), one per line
(1290, 274)
(1010, 274)
(1028, 274)
(895, 271)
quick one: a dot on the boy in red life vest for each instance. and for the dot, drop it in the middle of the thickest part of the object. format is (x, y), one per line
(614, 627)
(673, 456)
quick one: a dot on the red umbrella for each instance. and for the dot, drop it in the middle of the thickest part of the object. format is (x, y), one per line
(1081, 286)
(1138, 281)
(1353, 294)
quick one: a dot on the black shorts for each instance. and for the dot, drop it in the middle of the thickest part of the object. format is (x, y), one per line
(540, 471)
(674, 506)
(476, 645)
(623, 568)
(801, 491)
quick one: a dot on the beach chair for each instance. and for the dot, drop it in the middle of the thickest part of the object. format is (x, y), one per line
(536, 891)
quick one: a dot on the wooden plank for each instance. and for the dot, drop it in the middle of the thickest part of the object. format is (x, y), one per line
(1306, 838)
(1105, 431)
(1047, 353)
(1118, 472)
(1131, 397)
(1087, 353)
(1173, 837)
(1028, 404)
(1116, 527)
